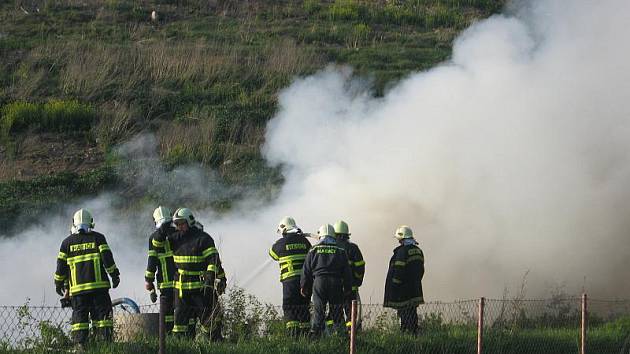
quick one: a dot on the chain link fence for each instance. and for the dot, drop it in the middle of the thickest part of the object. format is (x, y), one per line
(509, 326)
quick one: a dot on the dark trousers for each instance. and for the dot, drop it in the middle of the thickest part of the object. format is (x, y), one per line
(327, 291)
(408, 319)
(97, 306)
(166, 300)
(347, 308)
(295, 308)
(193, 305)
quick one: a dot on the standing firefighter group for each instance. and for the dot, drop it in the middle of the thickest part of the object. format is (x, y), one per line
(184, 262)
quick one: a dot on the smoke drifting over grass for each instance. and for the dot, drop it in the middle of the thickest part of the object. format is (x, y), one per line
(512, 156)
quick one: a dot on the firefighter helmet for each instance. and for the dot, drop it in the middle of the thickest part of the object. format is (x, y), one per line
(403, 232)
(341, 228)
(161, 215)
(326, 230)
(82, 220)
(184, 214)
(287, 223)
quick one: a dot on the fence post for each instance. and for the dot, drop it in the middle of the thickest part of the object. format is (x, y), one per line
(583, 326)
(162, 328)
(482, 304)
(353, 327)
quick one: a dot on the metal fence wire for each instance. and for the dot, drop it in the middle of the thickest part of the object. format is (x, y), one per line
(508, 326)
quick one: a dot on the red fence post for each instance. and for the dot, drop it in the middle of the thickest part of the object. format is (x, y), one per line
(583, 326)
(353, 327)
(482, 304)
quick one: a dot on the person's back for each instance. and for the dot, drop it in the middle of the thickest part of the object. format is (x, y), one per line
(83, 262)
(290, 252)
(327, 277)
(403, 285)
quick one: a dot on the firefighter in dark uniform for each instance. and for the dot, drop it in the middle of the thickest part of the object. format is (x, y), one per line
(403, 286)
(290, 252)
(160, 264)
(327, 277)
(200, 277)
(357, 266)
(83, 263)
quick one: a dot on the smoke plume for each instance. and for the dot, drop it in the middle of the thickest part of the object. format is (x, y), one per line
(511, 157)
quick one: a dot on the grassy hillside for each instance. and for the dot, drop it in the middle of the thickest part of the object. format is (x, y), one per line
(203, 77)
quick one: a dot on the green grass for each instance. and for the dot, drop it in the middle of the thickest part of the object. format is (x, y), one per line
(452, 341)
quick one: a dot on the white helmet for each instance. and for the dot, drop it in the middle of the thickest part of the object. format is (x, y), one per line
(326, 230)
(403, 232)
(184, 214)
(341, 228)
(82, 220)
(287, 223)
(161, 215)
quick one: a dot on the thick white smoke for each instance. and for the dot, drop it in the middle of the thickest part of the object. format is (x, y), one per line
(511, 157)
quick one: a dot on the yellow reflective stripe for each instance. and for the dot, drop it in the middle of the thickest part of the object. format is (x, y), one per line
(396, 281)
(165, 255)
(273, 254)
(412, 301)
(358, 275)
(305, 325)
(295, 257)
(150, 275)
(62, 256)
(97, 269)
(88, 286)
(83, 258)
(355, 288)
(359, 263)
(188, 285)
(180, 328)
(157, 243)
(400, 263)
(103, 323)
(330, 322)
(292, 324)
(153, 253)
(190, 272)
(415, 258)
(166, 285)
(169, 318)
(103, 248)
(60, 277)
(291, 265)
(111, 269)
(208, 251)
(80, 326)
(290, 274)
(349, 324)
(213, 268)
(189, 259)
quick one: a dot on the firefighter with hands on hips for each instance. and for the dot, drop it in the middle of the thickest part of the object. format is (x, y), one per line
(160, 263)
(327, 277)
(200, 278)
(403, 286)
(357, 267)
(290, 251)
(83, 265)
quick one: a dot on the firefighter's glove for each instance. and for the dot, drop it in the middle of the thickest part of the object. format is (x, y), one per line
(65, 302)
(115, 280)
(153, 295)
(59, 289)
(305, 292)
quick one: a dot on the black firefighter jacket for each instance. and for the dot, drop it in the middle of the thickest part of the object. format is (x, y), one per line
(160, 262)
(326, 260)
(403, 286)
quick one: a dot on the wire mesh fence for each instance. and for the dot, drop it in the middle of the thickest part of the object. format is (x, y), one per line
(509, 326)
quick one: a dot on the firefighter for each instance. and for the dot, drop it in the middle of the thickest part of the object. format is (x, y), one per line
(403, 286)
(160, 263)
(290, 252)
(200, 277)
(83, 262)
(327, 277)
(357, 266)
